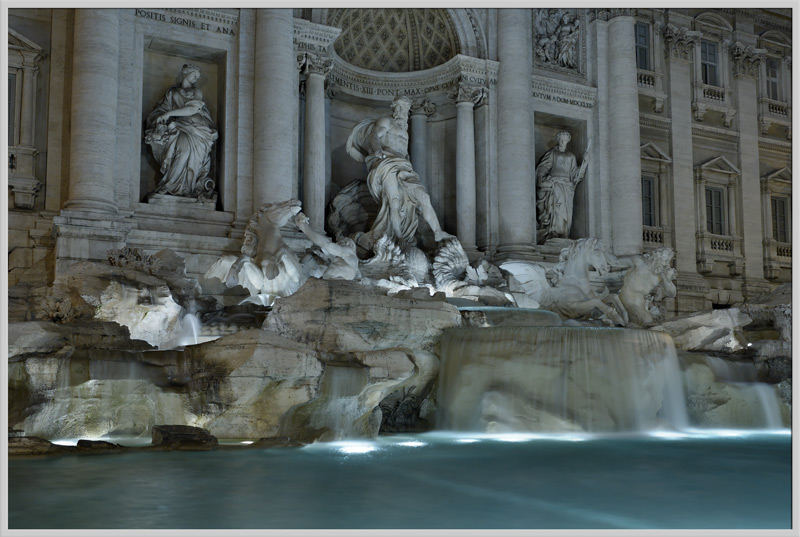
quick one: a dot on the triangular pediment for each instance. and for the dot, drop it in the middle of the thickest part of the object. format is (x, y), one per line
(651, 151)
(18, 41)
(720, 165)
(784, 174)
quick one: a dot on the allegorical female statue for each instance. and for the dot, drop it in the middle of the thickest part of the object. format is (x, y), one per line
(181, 134)
(557, 175)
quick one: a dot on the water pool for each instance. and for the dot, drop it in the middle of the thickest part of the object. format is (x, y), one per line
(435, 480)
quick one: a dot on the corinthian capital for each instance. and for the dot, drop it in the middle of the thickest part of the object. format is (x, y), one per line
(746, 60)
(314, 63)
(423, 106)
(679, 41)
(467, 92)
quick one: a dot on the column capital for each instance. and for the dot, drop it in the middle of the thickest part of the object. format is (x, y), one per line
(608, 14)
(423, 106)
(311, 63)
(679, 41)
(467, 92)
(746, 60)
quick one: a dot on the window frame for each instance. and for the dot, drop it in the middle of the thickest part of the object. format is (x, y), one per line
(785, 201)
(653, 208)
(647, 47)
(722, 210)
(776, 80)
(704, 72)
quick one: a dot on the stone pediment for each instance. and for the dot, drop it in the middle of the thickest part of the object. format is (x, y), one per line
(783, 174)
(17, 41)
(720, 165)
(651, 151)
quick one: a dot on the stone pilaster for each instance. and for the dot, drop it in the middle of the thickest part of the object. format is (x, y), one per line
(315, 68)
(467, 96)
(93, 123)
(421, 110)
(678, 47)
(623, 134)
(746, 66)
(515, 188)
(274, 105)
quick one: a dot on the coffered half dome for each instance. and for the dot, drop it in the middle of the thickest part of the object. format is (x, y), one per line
(394, 40)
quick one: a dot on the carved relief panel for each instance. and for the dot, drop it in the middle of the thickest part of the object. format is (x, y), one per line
(559, 42)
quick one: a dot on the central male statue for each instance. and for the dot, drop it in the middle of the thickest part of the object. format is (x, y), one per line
(383, 145)
(557, 175)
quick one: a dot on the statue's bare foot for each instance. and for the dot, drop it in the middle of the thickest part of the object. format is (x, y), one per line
(442, 235)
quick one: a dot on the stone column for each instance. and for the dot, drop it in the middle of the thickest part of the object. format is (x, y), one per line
(515, 188)
(275, 93)
(466, 97)
(623, 136)
(93, 119)
(421, 109)
(315, 69)
(746, 66)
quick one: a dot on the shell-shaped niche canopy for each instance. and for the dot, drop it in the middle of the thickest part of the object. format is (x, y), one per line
(394, 40)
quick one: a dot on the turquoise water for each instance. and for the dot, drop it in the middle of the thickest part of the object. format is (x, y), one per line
(433, 480)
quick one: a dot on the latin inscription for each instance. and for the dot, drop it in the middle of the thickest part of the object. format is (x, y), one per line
(180, 20)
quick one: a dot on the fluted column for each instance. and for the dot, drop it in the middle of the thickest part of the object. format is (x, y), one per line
(515, 188)
(315, 69)
(93, 118)
(466, 97)
(275, 93)
(623, 136)
(421, 109)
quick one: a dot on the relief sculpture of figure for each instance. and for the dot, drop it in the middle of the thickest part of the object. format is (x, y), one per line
(557, 175)
(383, 145)
(181, 134)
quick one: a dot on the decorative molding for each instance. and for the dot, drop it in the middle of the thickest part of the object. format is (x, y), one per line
(22, 52)
(655, 122)
(561, 91)
(679, 41)
(423, 106)
(715, 133)
(24, 190)
(608, 14)
(650, 151)
(466, 92)
(718, 164)
(746, 60)
(778, 146)
(314, 38)
(385, 86)
(228, 16)
(309, 62)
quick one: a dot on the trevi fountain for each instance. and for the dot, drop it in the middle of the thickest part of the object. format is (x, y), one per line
(352, 358)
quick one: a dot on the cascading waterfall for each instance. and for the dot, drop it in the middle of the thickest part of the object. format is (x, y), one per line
(559, 378)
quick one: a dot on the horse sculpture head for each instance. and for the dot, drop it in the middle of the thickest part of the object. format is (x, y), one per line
(582, 255)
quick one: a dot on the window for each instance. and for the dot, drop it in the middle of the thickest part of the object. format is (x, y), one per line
(648, 201)
(714, 208)
(642, 45)
(12, 94)
(709, 62)
(772, 79)
(779, 219)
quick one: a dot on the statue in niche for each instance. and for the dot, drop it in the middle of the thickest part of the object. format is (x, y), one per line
(383, 145)
(557, 37)
(557, 175)
(181, 134)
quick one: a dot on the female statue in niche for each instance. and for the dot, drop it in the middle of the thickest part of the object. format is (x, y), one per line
(181, 134)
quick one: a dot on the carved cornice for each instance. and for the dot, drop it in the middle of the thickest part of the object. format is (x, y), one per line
(746, 60)
(385, 86)
(679, 41)
(561, 91)
(466, 92)
(608, 14)
(314, 38)
(228, 17)
(423, 106)
(655, 122)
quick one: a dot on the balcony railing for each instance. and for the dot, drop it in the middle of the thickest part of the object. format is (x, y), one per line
(652, 235)
(646, 79)
(713, 93)
(721, 244)
(783, 249)
(775, 108)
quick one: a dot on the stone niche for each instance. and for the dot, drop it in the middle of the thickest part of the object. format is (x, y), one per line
(163, 61)
(546, 126)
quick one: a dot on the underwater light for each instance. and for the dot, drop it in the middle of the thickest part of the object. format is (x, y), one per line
(668, 435)
(354, 448)
(246, 442)
(466, 440)
(412, 443)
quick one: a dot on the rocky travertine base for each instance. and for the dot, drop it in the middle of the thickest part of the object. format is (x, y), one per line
(324, 361)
